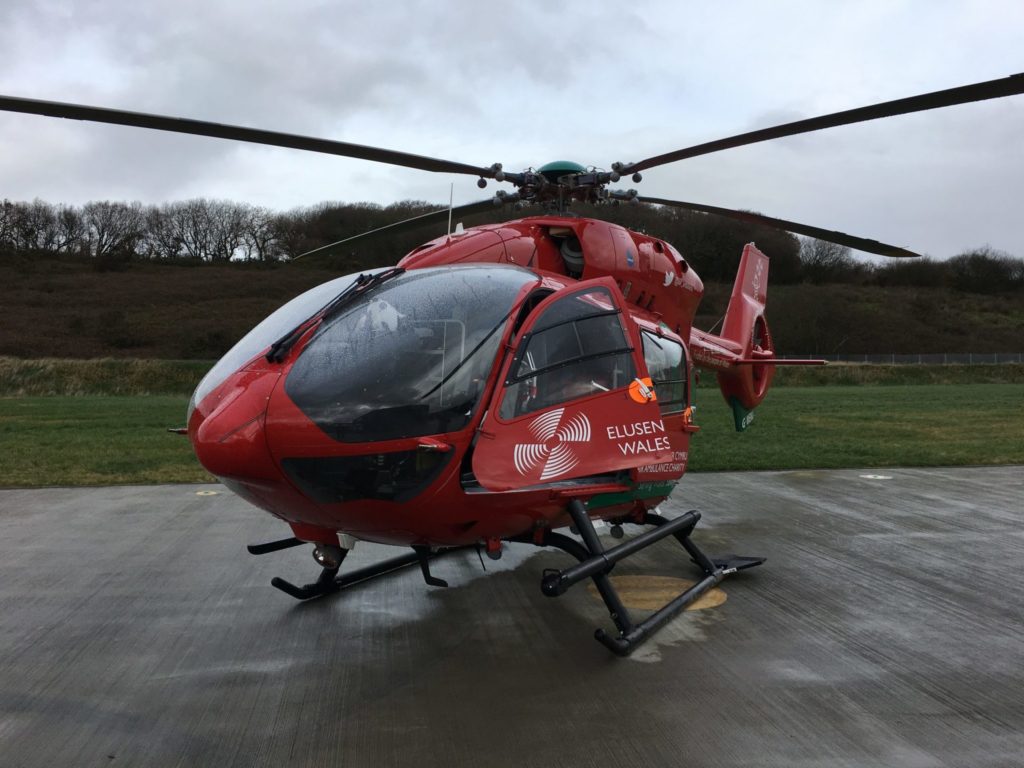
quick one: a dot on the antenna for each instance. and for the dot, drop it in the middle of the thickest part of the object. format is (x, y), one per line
(451, 199)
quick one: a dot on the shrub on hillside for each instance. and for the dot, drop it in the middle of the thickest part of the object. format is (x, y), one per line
(923, 272)
(986, 270)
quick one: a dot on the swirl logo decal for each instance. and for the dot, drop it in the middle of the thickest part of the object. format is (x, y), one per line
(553, 450)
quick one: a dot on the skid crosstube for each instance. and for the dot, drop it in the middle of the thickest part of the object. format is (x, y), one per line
(595, 562)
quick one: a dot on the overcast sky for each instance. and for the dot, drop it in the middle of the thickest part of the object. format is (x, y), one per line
(528, 82)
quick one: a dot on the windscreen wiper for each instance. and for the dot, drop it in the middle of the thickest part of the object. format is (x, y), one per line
(362, 285)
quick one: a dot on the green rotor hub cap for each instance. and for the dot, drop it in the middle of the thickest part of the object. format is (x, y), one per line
(554, 171)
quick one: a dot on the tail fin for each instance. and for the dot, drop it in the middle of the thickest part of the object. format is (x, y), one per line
(749, 294)
(741, 355)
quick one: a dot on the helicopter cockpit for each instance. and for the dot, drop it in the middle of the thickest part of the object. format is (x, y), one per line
(411, 357)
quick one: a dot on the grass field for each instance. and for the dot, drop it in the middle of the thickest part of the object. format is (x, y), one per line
(118, 376)
(95, 440)
(866, 426)
(103, 439)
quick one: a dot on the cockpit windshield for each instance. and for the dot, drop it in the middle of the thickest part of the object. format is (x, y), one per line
(410, 358)
(285, 318)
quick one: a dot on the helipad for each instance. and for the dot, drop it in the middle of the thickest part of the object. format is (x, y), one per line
(886, 629)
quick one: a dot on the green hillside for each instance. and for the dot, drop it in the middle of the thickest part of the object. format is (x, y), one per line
(64, 307)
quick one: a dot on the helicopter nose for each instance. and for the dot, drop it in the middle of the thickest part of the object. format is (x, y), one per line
(229, 439)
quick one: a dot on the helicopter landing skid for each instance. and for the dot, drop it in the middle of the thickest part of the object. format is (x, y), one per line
(596, 562)
(330, 582)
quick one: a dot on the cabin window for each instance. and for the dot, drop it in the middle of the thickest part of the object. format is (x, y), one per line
(576, 348)
(666, 365)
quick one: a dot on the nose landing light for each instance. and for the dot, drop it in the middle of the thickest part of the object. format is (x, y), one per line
(328, 556)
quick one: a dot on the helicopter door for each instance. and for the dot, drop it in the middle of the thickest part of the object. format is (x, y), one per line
(573, 398)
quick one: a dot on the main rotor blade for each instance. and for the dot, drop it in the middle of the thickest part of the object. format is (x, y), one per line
(405, 225)
(236, 133)
(840, 238)
(992, 89)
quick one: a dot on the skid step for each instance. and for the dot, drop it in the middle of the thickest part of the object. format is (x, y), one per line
(596, 562)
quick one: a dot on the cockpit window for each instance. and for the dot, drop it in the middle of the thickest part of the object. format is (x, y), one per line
(281, 321)
(409, 359)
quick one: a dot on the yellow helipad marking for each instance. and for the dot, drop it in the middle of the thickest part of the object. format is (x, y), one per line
(649, 593)
(207, 493)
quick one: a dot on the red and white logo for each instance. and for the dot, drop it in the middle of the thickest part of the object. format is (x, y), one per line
(553, 450)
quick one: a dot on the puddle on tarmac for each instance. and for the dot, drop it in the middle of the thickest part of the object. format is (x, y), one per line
(648, 593)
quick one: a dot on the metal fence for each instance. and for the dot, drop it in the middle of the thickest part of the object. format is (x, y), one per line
(939, 358)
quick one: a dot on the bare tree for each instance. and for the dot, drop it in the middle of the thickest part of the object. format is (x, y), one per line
(292, 232)
(825, 262)
(34, 226)
(8, 216)
(260, 237)
(227, 222)
(162, 240)
(70, 224)
(113, 227)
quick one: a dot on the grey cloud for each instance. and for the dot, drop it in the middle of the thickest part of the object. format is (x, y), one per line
(522, 84)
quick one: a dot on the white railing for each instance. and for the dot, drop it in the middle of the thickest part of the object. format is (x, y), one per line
(934, 358)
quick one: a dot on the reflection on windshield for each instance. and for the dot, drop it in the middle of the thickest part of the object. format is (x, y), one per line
(409, 359)
(282, 320)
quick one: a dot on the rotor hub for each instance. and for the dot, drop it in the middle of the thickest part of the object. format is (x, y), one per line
(557, 184)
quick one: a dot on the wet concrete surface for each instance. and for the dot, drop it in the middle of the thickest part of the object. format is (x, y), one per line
(886, 629)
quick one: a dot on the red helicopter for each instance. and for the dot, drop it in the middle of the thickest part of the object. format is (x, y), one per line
(500, 383)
